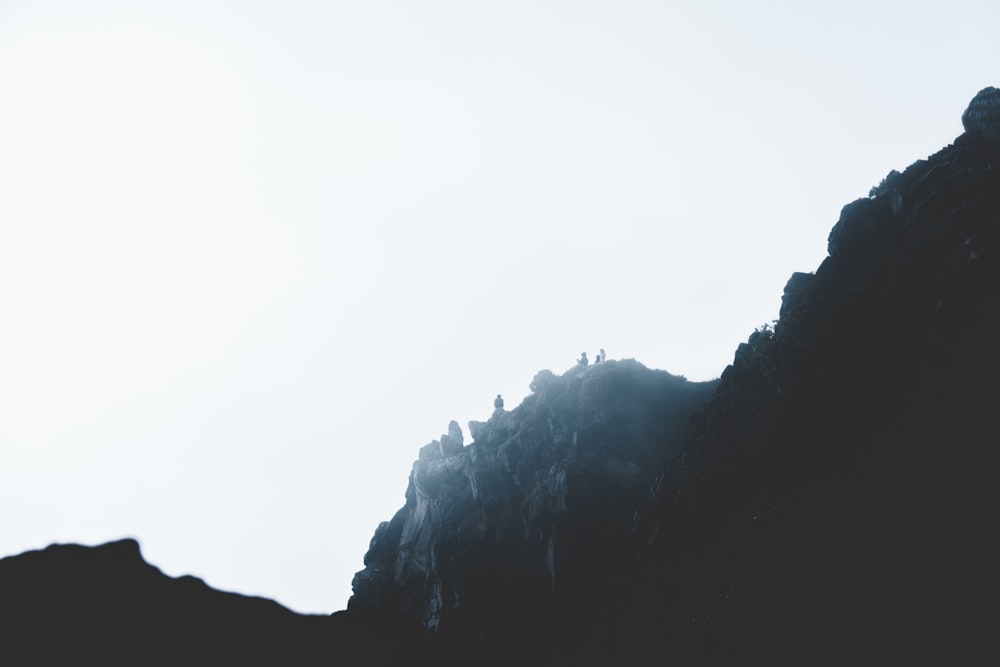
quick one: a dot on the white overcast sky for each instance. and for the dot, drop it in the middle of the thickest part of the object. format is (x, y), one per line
(253, 255)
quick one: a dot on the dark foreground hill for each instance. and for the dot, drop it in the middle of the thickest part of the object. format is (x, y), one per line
(831, 500)
(74, 605)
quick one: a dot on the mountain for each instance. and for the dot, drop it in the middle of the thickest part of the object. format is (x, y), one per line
(837, 502)
(830, 499)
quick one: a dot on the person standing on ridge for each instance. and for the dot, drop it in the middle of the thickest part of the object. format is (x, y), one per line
(600, 355)
(498, 402)
(583, 359)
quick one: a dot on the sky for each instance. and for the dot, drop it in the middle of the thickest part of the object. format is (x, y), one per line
(254, 255)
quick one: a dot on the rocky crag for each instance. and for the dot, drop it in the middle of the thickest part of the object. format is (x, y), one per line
(833, 501)
(525, 529)
(830, 500)
(837, 502)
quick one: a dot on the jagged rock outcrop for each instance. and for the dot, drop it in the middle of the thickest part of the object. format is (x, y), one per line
(834, 502)
(524, 530)
(983, 115)
(837, 502)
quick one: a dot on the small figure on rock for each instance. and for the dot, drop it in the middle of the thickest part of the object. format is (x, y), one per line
(583, 359)
(498, 402)
(601, 356)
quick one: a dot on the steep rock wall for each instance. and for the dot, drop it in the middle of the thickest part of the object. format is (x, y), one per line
(523, 530)
(836, 503)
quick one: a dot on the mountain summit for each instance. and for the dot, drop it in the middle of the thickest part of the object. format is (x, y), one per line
(520, 528)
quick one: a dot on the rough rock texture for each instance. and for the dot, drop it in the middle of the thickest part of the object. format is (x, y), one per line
(834, 503)
(76, 605)
(983, 115)
(525, 530)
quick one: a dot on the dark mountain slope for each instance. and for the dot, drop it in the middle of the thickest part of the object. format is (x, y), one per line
(834, 501)
(838, 502)
(70, 604)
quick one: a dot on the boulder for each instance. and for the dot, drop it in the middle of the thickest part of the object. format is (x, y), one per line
(983, 115)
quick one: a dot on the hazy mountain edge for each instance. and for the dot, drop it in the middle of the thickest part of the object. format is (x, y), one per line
(514, 533)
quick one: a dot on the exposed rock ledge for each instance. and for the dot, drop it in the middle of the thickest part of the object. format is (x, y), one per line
(513, 528)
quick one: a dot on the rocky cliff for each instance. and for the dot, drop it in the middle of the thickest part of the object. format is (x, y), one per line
(837, 502)
(525, 529)
(830, 500)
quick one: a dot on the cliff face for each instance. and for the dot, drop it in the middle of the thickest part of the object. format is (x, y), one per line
(837, 503)
(833, 501)
(525, 530)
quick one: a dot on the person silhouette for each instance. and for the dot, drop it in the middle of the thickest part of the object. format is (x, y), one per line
(498, 402)
(583, 359)
(601, 356)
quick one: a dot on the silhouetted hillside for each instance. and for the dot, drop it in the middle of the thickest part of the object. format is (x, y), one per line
(837, 503)
(830, 500)
(832, 504)
(70, 604)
